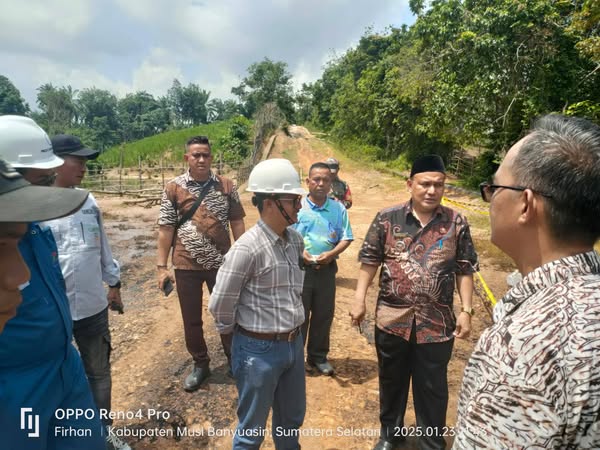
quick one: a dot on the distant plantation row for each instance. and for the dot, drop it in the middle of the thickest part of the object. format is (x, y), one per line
(168, 146)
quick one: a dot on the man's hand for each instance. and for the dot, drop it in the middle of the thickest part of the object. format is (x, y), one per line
(163, 276)
(463, 325)
(114, 299)
(325, 258)
(308, 258)
(227, 185)
(357, 312)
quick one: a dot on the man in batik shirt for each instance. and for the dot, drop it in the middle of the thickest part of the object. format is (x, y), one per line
(424, 249)
(533, 380)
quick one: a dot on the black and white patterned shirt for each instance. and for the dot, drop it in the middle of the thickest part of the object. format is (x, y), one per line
(201, 241)
(533, 380)
(259, 285)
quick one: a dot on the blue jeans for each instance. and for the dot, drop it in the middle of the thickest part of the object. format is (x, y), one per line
(268, 374)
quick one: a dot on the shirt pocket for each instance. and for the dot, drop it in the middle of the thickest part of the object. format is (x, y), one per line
(85, 233)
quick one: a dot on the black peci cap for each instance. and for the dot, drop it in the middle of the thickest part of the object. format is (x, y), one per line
(428, 163)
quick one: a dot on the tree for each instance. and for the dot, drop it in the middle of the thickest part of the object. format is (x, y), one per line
(98, 112)
(140, 115)
(236, 141)
(304, 102)
(188, 104)
(57, 106)
(267, 82)
(11, 101)
(222, 110)
(194, 105)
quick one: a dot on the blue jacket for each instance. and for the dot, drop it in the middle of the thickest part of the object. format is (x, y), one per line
(39, 367)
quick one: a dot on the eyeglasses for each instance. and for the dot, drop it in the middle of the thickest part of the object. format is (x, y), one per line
(487, 190)
(296, 201)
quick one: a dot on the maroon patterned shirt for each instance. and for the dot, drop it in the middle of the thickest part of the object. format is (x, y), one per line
(418, 270)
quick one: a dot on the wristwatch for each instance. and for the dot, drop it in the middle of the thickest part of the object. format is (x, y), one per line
(117, 285)
(469, 311)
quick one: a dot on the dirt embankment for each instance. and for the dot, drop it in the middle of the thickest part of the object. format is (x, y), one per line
(150, 360)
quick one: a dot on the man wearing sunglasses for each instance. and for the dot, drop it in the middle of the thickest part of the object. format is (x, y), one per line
(424, 250)
(257, 298)
(533, 379)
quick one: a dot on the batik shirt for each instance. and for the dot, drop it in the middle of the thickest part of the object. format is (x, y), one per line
(202, 241)
(418, 268)
(533, 380)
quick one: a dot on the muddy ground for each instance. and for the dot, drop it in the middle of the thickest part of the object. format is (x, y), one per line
(150, 361)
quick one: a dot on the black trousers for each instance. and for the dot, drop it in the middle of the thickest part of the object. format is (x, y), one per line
(427, 365)
(318, 297)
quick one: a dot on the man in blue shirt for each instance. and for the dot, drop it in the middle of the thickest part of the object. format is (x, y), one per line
(324, 224)
(41, 375)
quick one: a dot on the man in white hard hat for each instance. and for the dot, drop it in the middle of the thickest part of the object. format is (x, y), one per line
(21, 204)
(258, 298)
(40, 370)
(28, 149)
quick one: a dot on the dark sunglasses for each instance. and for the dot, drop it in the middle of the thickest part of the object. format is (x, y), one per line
(296, 201)
(487, 190)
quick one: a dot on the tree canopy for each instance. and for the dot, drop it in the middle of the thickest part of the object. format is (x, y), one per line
(467, 73)
(11, 101)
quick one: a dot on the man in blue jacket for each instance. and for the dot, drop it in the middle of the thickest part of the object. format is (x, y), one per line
(45, 400)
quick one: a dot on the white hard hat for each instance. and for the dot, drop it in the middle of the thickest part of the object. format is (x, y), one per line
(25, 145)
(275, 176)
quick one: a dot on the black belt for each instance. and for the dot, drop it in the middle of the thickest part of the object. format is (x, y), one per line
(288, 336)
(318, 266)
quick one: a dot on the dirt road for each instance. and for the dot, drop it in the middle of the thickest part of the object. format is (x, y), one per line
(150, 361)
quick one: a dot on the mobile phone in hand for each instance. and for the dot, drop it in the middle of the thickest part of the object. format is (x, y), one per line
(167, 287)
(116, 307)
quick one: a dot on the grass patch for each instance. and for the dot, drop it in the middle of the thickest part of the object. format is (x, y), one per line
(169, 146)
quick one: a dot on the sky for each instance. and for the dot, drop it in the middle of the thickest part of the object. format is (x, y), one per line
(126, 46)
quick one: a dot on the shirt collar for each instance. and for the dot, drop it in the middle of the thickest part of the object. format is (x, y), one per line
(189, 179)
(439, 211)
(545, 276)
(271, 235)
(313, 205)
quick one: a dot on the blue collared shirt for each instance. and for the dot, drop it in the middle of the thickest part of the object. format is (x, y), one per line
(323, 227)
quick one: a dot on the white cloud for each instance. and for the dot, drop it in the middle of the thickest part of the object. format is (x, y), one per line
(129, 45)
(156, 73)
(42, 25)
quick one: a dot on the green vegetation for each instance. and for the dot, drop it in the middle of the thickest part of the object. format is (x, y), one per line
(171, 145)
(466, 74)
